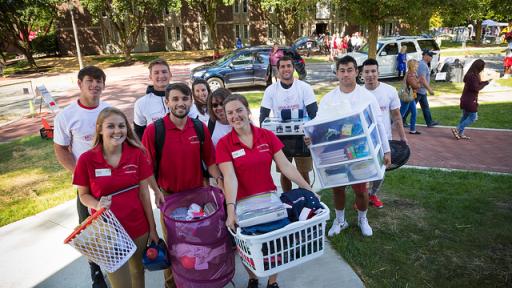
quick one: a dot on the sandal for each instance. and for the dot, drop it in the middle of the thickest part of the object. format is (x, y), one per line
(455, 133)
(464, 137)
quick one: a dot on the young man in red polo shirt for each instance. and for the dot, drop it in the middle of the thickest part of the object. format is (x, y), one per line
(179, 167)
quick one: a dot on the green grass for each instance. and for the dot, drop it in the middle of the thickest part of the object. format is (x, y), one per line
(490, 115)
(505, 82)
(439, 88)
(316, 59)
(498, 50)
(437, 229)
(447, 44)
(31, 179)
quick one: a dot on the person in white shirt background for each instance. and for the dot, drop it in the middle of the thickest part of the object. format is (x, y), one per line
(389, 103)
(151, 106)
(218, 123)
(200, 92)
(352, 95)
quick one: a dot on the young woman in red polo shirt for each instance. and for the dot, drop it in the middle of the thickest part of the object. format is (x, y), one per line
(245, 157)
(117, 161)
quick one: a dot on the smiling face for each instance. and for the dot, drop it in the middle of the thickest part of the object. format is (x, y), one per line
(90, 91)
(160, 76)
(237, 114)
(285, 70)
(178, 103)
(218, 110)
(371, 76)
(200, 93)
(113, 130)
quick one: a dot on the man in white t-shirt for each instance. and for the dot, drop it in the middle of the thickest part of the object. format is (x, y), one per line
(151, 106)
(350, 94)
(293, 95)
(389, 104)
(74, 129)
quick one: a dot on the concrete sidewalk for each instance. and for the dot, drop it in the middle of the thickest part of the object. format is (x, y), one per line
(32, 254)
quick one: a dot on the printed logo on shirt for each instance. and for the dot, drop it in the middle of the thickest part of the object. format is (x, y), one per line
(263, 148)
(89, 137)
(383, 108)
(193, 139)
(130, 168)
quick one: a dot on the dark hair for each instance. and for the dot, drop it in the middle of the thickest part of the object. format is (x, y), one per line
(345, 60)
(182, 87)
(370, 62)
(476, 67)
(220, 93)
(92, 71)
(237, 97)
(284, 58)
(201, 107)
(158, 61)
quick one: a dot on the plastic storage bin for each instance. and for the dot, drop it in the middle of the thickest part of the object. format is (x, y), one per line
(346, 150)
(291, 133)
(284, 248)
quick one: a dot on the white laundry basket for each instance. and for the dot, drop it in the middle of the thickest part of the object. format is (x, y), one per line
(292, 245)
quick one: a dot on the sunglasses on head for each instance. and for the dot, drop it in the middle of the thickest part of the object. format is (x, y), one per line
(215, 105)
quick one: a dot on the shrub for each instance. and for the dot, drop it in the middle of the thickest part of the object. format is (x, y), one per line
(46, 44)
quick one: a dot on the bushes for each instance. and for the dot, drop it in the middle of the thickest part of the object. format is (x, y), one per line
(46, 44)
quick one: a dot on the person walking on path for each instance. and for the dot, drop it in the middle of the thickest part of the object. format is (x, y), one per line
(349, 92)
(74, 130)
(117, 162)
(245, 158)
(389, 104)
(469, 99)
(421, 94)
(293, 95)
(151, 106)
(178, 167)
(413, 82)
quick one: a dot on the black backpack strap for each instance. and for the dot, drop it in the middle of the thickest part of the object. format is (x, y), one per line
(211, 126)
(198, 126)
(159, 144)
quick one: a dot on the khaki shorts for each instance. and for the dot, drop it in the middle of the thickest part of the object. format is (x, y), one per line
(303, 164)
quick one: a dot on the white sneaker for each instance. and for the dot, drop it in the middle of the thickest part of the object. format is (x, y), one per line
(337, 227)
(365, 227)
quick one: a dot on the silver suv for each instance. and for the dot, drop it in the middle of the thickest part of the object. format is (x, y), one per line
(387, 52)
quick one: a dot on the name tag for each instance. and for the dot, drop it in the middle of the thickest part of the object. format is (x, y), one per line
(238, 153)
(102, 172)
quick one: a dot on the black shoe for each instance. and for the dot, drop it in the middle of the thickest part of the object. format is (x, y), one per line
(415, 132)
(253, 283)
(432, 124)
(98, 281)
(273, 285)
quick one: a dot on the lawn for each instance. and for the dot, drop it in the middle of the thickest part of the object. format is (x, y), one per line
(505, 82)
(31, 180)
(437, 229)
(490, 115)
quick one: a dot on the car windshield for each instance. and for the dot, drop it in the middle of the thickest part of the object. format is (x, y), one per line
(365, 48)
(224, 58)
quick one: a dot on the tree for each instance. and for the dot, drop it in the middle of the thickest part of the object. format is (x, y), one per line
(127, 17)
(372, 13)
(208, 11)
(21, 18)
(286, 15)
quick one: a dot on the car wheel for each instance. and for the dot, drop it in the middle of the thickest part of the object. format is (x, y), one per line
(215, 83)
(360, 78)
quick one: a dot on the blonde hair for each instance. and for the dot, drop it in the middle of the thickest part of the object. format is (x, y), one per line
(412, 65)
(403, 49)
(104, 114)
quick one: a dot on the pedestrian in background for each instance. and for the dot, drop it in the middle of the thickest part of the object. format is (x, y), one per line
(401, 62)
(469, 99)
(413, 82)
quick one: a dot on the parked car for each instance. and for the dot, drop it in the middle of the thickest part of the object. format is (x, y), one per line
(244, 67)
(387, 51)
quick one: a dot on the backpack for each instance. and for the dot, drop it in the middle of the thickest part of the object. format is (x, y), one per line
(160, 139)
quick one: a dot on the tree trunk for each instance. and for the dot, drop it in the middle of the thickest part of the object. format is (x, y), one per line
(478, 32)
(212, 27)
(127, 51)
(373, 35)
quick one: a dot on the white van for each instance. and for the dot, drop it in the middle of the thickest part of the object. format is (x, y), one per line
(387, 52)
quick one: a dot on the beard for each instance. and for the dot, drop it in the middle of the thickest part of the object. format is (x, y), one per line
(179, 115)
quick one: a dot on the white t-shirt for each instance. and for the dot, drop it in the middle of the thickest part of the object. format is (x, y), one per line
(388, 100)
(358, 99)
(148, 109)
(298, 96)
(194, 113)
(219, 132)
(75, 126)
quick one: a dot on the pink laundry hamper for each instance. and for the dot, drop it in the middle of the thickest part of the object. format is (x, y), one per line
(200, 251)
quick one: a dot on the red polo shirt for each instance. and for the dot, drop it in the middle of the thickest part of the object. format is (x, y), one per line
(93, 171)
(180, 168)
(252, 165)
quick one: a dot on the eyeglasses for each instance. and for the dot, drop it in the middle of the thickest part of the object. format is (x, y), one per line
(215, 105)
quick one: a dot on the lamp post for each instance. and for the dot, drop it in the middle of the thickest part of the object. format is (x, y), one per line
(77, 44)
